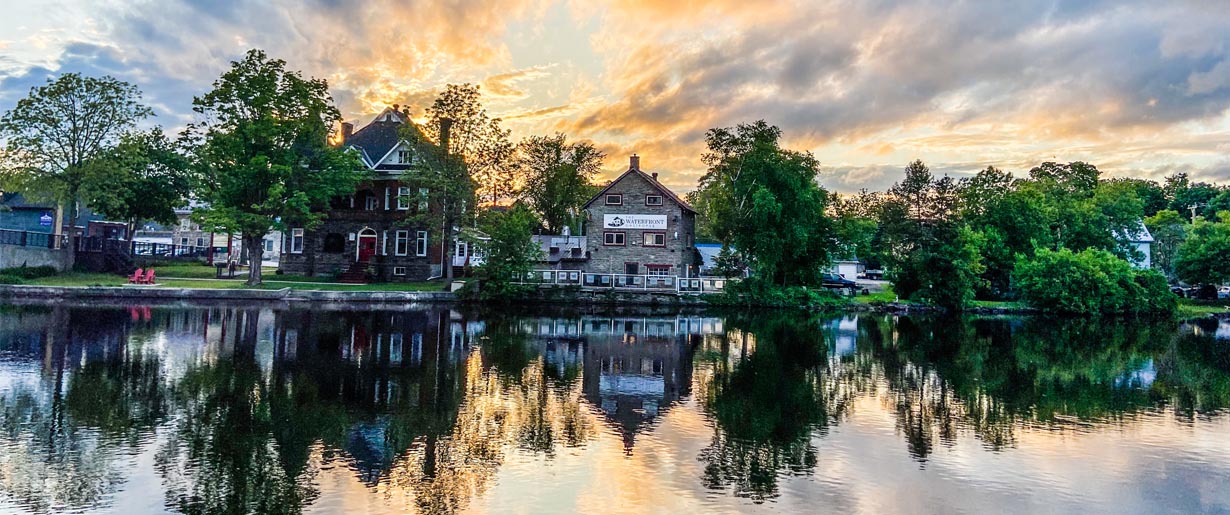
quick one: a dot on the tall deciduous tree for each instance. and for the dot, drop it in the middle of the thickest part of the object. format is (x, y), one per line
(558, 177)
(59, 128)
(1202, 258)
(764, 201)
(476, 159)
(262, 151)
(143, 178)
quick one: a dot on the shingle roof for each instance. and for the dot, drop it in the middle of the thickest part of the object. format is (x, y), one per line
(19, 201)
(663, 189)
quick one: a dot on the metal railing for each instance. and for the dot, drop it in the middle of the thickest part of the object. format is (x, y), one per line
(627, 281)
(146, 248)
(29, 239)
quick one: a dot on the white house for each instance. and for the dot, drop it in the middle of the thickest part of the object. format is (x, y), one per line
(1139, 240)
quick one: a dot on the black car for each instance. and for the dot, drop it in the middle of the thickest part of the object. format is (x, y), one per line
(838, 282)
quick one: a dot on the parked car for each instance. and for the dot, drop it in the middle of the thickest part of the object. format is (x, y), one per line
(838, 282)
(1223, 292)
(873, 274)
(1179, 291)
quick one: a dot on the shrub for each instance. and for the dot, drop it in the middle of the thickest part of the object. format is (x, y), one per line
(10, 279)
(755, 292)
(1092, 281)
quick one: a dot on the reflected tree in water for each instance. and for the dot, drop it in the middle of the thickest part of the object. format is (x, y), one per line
(62, 438)
(768, 402)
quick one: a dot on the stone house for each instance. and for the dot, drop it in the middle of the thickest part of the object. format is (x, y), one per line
(380, 232)
(637, 226)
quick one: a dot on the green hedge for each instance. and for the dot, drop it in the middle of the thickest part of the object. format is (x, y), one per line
(1092, 281)
(752, 292)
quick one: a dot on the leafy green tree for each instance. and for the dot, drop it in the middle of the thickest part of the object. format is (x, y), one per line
(1204, 257)
(1075, 178)
(930, 254)
(1092, 281)
(1169, 230)
(559, 177)
(509, 254)
(143, 178)
(478, 140)
(61, 127)
(262, 152)
(1150, 193)
(476, 147)
(1187, 196)
(764, 201)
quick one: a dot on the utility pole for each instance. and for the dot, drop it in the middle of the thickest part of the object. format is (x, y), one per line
(1193, 209)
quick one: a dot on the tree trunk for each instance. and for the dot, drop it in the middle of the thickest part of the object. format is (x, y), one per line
(250, 242)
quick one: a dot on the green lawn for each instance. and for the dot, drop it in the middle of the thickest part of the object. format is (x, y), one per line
(887, 295)
(186, 281)
(1198, 308)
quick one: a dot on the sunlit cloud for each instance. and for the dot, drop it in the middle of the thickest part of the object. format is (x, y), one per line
(1135, 87)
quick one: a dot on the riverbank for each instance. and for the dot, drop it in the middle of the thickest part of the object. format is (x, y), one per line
(178, 289)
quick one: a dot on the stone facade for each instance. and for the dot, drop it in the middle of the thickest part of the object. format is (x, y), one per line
(638, 226)
(381, 231)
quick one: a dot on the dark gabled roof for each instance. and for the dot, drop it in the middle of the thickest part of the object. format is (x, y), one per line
(666, 192)
(19, 201)
(377, 138)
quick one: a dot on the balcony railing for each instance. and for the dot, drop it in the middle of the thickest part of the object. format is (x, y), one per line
(30, 239)
(627, 281)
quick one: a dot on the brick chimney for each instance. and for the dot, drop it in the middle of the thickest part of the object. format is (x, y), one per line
(634, 162)
(655, 177)
(446, 126)
(347, 131)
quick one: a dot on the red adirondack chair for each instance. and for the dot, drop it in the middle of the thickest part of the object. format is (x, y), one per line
(149, 277)
(135, 278)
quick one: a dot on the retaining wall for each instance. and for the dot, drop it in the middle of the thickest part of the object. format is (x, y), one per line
(17, 255)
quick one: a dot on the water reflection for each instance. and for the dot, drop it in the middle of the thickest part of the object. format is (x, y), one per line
(231, 410)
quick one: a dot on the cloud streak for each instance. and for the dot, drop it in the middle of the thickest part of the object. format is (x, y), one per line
(1134, 86)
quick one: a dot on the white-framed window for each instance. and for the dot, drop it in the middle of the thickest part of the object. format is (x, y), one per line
(183, 241)
(371, 203)
(614, 199)
(658, 270)
(423, 199)
(403, 198)
(399, 270)
(462, 250)
(420, 244)
(268, 245)
(296, 241)
(200, 242)
(653, 200)
(617, 238)
(405, 156)
(655, 239)
(402, 246)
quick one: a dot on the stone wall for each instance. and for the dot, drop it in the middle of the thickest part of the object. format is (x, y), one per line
(679, 251)
(16, 255)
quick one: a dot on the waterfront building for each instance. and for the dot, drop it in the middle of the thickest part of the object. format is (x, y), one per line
(378, 233)
(637, 226)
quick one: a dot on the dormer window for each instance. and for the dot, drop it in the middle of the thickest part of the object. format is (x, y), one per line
(614, 200)
(405, 156)
(653, 200)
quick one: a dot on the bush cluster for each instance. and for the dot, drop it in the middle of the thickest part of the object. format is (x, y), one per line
(758, 293)
(1092, 281)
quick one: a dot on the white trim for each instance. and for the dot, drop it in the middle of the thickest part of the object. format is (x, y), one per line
(358, 240)
(403, 198)
(301, 237)
(386, 198)
(401, 236)
(420, 236)
(392, 150)
(403, 272)
(384, 243)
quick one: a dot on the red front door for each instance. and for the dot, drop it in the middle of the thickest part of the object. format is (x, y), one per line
(367, 248)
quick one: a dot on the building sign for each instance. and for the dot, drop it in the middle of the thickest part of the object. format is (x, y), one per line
(45, 220)
(649, 222)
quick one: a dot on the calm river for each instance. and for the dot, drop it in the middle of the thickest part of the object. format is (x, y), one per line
(134, 410)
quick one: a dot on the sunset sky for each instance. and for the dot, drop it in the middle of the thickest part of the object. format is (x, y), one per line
(1138, 88)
